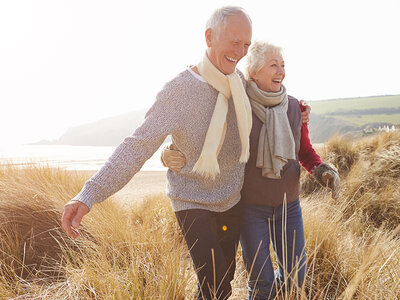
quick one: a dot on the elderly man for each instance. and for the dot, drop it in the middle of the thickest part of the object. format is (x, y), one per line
(207, 112)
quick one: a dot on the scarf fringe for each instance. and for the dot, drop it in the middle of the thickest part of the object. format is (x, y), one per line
(244, 156)
(207, 166)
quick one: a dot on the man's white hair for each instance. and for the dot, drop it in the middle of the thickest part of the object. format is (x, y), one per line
(220, 15)
(256, 56)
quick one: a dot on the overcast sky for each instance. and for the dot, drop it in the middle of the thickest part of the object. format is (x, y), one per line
(65, 63)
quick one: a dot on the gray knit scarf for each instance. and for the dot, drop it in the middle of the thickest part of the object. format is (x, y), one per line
(276, 143)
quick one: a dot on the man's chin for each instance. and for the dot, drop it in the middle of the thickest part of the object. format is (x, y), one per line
(229, 70)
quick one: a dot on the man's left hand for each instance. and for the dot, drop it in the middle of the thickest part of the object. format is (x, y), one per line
(305, 115)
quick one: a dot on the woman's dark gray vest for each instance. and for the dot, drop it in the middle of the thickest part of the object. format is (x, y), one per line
(259, 190)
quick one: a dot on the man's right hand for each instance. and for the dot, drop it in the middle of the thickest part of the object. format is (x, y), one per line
(72, 216)
(173, 159)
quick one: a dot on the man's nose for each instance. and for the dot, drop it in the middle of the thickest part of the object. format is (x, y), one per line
(240, 51)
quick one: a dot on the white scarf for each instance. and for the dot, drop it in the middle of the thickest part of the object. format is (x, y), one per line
(276, 142)
(227, 86)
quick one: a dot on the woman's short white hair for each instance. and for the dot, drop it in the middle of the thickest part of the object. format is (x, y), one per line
(220, 16)
(256, 56)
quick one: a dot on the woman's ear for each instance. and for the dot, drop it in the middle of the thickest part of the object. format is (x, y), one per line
(254, 76)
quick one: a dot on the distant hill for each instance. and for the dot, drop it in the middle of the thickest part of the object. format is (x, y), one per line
(106, 132)
(351, 116)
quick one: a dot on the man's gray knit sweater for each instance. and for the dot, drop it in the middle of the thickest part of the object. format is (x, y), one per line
(183, 109)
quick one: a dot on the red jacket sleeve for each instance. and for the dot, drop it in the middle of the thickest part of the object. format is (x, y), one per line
(308, 157)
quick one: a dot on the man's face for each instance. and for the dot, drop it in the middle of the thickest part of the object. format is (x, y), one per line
(229, 44)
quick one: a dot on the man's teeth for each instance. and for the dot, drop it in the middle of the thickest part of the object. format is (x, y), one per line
(231, 59)
(276, 80)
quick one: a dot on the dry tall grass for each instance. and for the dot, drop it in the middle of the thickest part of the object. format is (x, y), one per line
(136, 251)
(353, 243)
(124, 252)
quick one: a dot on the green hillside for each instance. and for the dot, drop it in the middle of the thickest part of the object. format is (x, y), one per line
(354, 116)
(361, 111)
(362, 103)
(361, 120)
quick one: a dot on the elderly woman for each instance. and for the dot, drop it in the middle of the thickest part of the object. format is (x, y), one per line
(279, 143)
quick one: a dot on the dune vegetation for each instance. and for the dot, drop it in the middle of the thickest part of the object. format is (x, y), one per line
(135, 251)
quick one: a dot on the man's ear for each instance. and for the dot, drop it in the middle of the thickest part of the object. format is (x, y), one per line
(208, 35)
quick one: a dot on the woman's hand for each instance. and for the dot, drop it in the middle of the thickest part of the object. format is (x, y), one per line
(173, 159)
(327, 175)
(331, 179)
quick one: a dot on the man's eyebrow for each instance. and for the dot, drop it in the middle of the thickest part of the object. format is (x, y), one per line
(239, 40)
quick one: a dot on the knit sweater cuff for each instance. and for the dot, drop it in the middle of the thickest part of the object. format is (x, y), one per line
(91, 193)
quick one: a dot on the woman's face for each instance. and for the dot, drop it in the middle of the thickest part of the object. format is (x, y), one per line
(271, 75)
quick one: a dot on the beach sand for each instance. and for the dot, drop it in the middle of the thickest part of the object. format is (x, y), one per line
(143, 184)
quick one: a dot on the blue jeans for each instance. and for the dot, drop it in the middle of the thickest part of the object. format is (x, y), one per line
(284, 228)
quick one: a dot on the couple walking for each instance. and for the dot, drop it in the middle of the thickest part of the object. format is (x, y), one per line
(234, 161)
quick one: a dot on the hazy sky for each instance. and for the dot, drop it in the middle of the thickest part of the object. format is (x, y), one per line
(65, 63)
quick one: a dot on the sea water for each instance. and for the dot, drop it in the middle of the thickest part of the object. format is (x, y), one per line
(68, 157)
